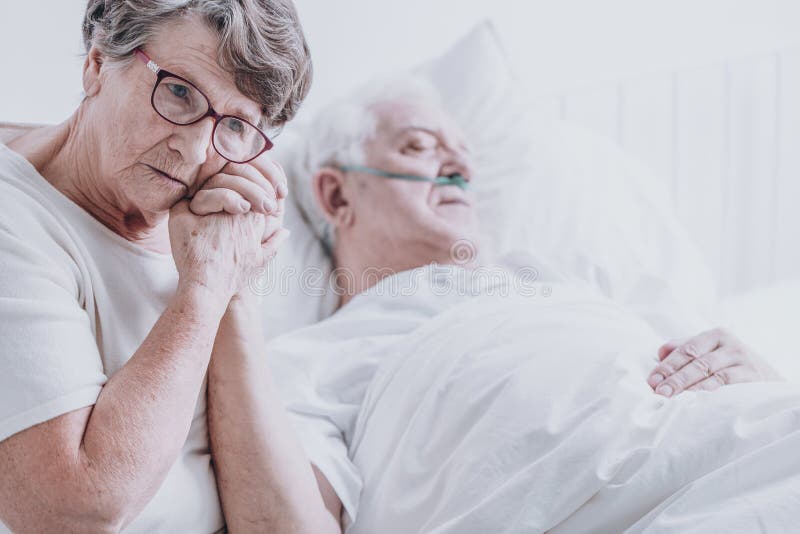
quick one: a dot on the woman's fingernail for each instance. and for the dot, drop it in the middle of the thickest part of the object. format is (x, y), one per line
(268, 205)
(244, 205)
(664, 390)
(656, 379)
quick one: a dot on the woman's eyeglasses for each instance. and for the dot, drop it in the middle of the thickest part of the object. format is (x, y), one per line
(179, 101)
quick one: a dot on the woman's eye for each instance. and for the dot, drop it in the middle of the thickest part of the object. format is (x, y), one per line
(181, 91)
(236, 126)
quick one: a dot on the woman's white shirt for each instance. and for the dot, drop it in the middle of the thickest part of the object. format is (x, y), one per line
(76, 302)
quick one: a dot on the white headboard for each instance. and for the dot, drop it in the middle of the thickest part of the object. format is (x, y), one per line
(726, 139)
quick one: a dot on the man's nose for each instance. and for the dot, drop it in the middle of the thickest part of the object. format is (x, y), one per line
(456, 163)
(193, 142)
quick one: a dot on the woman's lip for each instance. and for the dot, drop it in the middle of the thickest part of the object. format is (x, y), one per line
(165, 175)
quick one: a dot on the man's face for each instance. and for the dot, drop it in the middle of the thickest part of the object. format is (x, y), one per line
(420, 220)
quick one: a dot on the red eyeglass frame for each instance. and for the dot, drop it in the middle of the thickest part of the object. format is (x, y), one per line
(161, 74)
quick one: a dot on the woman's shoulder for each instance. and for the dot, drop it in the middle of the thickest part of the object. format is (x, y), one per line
(26, 203)
(35, 229)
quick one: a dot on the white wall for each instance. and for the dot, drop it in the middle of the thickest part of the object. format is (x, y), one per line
(556, 43)
(40, 59)
(724, 138)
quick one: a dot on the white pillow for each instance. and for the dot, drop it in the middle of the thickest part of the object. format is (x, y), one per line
(563, 193)
(603, 216)
(295, 284)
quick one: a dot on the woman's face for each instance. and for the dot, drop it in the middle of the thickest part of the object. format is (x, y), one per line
(144, 162)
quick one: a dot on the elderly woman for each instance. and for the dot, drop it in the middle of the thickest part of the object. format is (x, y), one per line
(127, 237)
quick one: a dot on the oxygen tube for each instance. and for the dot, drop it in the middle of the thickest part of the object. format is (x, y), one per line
(454, 179)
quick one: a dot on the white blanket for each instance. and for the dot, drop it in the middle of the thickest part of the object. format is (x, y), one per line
(528, 414)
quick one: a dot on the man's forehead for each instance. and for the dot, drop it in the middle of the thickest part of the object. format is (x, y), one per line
(401, 113)
(411, 121)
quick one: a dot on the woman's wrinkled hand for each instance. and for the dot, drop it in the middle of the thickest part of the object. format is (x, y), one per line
(706, 362)
(258, 186)
(220, 252)
(219, 239)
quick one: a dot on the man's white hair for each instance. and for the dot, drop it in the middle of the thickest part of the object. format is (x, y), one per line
(337, 136)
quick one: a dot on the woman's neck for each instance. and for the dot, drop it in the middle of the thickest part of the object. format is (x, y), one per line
(62, 154)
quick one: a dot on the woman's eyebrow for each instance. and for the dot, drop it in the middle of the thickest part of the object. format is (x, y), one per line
(237, 110)
(254, 119)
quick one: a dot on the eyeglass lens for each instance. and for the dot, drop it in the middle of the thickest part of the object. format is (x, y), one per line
(182, 103)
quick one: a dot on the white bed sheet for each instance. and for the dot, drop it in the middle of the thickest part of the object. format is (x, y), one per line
(535, 416)
(530, 414)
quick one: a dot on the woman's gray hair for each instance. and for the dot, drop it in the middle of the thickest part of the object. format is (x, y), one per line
(337, 135)
(261, 43)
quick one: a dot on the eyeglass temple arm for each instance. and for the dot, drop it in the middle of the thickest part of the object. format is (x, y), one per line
(144, 58)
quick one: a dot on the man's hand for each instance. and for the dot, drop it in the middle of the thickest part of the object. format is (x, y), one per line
(706, 362)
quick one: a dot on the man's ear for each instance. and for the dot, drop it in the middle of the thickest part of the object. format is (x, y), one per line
(92, 66)
(328, 185)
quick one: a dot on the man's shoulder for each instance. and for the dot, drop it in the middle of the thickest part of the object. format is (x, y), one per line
(529, 264)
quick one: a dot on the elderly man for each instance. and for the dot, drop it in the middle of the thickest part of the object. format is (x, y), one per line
(437, 399)
(125, 304)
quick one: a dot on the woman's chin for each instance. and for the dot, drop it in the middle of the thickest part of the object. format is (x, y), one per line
(156, 201)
